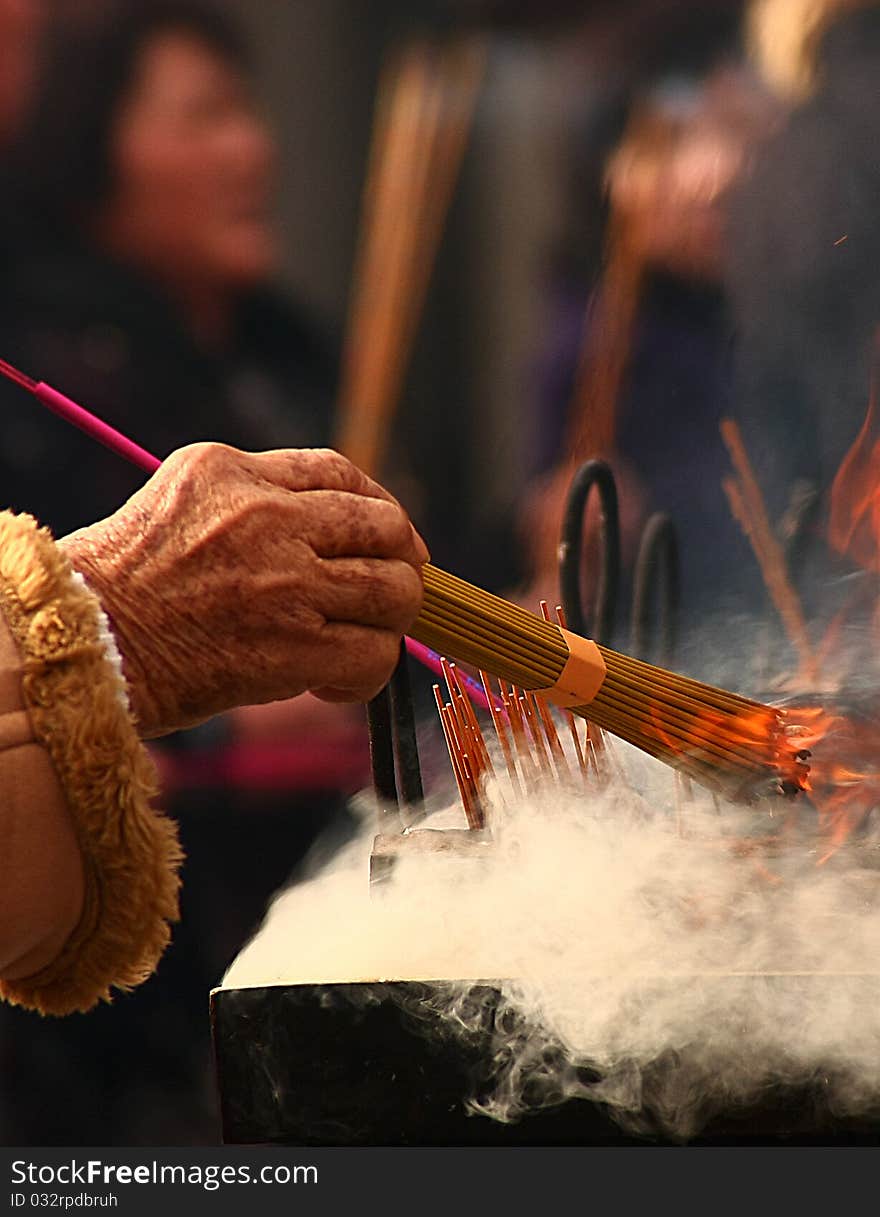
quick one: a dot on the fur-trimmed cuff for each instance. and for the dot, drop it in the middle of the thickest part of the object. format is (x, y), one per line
(131, 853)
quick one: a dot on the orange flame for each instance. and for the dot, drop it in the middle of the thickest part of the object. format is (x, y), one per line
(841, 788)
(854, 525)
(751, 750)
(808, 749)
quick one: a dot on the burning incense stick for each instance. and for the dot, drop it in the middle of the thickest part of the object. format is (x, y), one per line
(468, 788)
(500, 722)
(723, 741)
(536, 759)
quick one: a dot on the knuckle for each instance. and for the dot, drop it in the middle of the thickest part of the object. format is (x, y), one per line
(391, 523)
(336, 468)
(405, 592)
(257, 506)
(401, 529)
(205, 456)
(389, 591)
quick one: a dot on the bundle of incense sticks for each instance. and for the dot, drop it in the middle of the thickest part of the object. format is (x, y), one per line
(426, 101)
(726, 742)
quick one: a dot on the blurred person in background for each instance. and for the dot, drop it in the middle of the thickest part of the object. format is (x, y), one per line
(804, 261)
(640, 369)
(141, 285)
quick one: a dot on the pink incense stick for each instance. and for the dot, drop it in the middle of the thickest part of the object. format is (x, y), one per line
(130, 451)
(82, 418)
(434, 662)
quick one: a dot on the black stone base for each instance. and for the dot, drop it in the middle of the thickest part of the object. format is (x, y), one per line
(348, 1064)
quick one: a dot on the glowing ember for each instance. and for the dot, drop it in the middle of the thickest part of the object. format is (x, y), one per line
(841, 787)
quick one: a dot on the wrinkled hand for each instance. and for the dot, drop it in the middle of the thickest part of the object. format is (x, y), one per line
(234, 578)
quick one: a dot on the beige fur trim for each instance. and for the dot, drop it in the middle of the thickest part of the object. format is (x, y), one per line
(131, 851)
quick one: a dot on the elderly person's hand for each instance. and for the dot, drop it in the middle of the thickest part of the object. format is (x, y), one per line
(234, 578)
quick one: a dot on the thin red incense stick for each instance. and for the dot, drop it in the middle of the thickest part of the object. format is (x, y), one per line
(82, 418)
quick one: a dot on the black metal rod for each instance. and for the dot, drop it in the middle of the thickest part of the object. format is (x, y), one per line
(571, 552)
(406, 744)
(656, 591)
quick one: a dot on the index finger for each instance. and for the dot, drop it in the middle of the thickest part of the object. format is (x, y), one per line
(337, 524)
(314, 469)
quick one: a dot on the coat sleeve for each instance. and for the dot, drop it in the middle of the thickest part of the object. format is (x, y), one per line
(89, 863)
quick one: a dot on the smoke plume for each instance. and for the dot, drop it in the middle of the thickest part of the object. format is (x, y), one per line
(667, 960)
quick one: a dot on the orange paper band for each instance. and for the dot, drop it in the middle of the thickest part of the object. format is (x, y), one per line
(581, 678)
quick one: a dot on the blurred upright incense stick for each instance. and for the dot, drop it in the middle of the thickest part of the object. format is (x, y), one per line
(606, 347)
(424, 112)
(604, 359)
(748, 507)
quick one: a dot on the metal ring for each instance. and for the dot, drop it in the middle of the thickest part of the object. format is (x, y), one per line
(571, 547)
(657, 562)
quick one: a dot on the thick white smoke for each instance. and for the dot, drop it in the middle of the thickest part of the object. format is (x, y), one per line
(668, 962)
